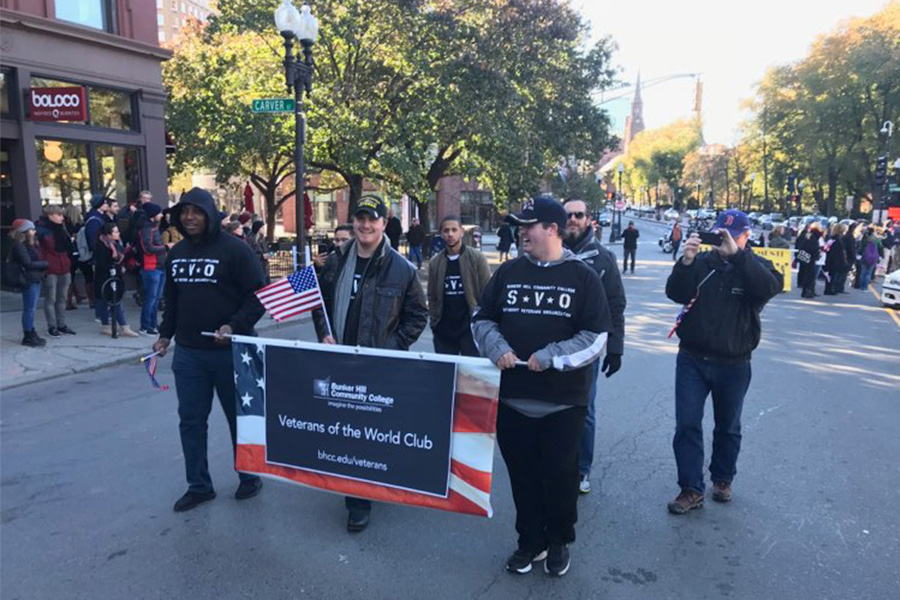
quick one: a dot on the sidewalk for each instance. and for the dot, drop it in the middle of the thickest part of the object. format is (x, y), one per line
(86, 351)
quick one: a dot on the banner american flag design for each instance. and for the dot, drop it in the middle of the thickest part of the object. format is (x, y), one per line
(292, 295)
(473, 436)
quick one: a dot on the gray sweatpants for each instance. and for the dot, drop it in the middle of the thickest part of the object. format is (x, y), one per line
(55, 289)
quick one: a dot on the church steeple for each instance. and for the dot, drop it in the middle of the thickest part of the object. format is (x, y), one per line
(634, 124)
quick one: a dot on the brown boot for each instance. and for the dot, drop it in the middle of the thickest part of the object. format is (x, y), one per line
(686, 501)
(721, 491)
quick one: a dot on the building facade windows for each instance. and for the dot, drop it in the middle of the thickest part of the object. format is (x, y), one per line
(5, 86)
(97, 14)
(108, 108)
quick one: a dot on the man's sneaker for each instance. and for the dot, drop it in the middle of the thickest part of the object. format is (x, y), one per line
(54, 332)
(65, 329)
(149, 331)
(584, 486)
(686, 501)
(557, 563)
(193, 500)
(721, 491)
(520, 560)
(248, 489)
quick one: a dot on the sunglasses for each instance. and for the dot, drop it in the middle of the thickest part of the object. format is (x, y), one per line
(576, 215)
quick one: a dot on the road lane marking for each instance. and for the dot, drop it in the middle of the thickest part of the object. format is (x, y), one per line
(889, 311)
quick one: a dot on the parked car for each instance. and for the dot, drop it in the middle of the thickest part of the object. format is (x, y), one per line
(602, 218)
(754, 217)
(890, 290)
(671, 215)
(706, 213)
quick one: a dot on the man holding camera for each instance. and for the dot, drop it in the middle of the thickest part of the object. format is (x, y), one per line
(723, 292)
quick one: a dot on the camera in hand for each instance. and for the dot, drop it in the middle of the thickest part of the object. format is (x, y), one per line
(711, 238)
(323, 249)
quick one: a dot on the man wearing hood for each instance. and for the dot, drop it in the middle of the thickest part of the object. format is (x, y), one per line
(373, 298)
(548, 308)
(581, 241)
(211, 278)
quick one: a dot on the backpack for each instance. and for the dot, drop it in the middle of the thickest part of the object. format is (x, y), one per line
(870, 255)
(13, 275)
(85, 254)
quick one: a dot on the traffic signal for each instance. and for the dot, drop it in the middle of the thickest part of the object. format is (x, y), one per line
(880, 170)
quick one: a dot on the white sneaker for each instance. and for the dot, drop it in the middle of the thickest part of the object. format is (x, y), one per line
(584, 486)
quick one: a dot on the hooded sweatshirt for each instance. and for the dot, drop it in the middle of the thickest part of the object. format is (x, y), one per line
(210, 281)
(556, 311)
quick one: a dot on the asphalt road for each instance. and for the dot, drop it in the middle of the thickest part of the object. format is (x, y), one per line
(91, 465)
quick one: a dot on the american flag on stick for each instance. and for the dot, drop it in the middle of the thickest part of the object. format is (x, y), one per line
(293, 295)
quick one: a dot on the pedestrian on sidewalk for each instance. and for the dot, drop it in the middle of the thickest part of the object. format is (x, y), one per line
(582, 242)
(776, 240)
(546, 307)
(871, 254)
(29, 269)
(835, 261)
(505, 243)
(109, 254)
(629, 245)
(374, 299)
(74, 222)
(256, 238)
(393, 230)
(87, 239)
(456, 277)
(676, 239)
(210, 286)
(415, 237)
(723, 292)
(55, 246)
(808, 253)
(153, 264)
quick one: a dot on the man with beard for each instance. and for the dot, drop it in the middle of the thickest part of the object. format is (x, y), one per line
(581, 241)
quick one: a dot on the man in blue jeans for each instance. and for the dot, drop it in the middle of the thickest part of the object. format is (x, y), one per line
(153, 273)
(210, 284)
(723, 292)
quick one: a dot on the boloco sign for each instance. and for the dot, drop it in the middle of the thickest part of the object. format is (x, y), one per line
(57, 104)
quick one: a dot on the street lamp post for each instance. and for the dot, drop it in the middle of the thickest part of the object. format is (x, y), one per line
(616, 227)
(298, 72)
(699, 200)
(887, 130)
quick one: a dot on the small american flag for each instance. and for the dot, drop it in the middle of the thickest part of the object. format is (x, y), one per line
(293, 295)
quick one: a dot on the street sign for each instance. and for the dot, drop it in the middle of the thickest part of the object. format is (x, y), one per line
(620, 205)
(272, 105)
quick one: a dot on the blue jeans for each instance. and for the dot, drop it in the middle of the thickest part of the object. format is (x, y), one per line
(695, 378)
(415, 254)
(866, 275)
(586, 450)
(153, 285)
(101, 308)
(31, 293)
(197, 374)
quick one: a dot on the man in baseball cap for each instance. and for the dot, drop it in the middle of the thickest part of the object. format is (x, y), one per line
(718, 330)
(372, 206)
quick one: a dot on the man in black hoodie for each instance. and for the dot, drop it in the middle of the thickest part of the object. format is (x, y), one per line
(210, 284)
(723, 293)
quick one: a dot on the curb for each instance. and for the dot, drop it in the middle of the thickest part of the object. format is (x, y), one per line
(125, 357)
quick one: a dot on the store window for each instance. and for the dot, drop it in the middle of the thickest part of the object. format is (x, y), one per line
(97, 14)
(477, 208)
(325, 211)
(118, 173)
(5, 86)
(63, 173)
(108, 108)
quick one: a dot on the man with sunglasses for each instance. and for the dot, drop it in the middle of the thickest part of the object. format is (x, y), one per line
(580, 239)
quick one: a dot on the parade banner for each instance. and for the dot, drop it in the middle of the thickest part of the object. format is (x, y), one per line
(405, 427)
(781, 259)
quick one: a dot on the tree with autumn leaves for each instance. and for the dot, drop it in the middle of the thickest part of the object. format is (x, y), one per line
(405, 92)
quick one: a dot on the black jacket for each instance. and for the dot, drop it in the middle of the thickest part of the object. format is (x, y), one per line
(724, 322)
(415, 236)
(210, 282)
(32, 266)
(595, 255)
(392, 303)
(836, 258)
(630, 238)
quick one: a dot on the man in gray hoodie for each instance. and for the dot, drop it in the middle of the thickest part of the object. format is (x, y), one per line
(546, 307)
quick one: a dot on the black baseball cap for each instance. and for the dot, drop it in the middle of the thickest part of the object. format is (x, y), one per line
(542, 209)
(373, 206)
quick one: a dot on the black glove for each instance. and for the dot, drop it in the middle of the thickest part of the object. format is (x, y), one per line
(611, 364)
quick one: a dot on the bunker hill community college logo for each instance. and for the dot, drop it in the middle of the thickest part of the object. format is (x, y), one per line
(322, 387)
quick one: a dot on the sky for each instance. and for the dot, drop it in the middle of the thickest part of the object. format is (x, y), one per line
(730, 44)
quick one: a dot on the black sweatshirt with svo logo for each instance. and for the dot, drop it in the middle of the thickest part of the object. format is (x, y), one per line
(210, 281)
(723, 324)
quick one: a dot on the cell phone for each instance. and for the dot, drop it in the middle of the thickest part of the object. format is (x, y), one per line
(710, 238)
(323, 248)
